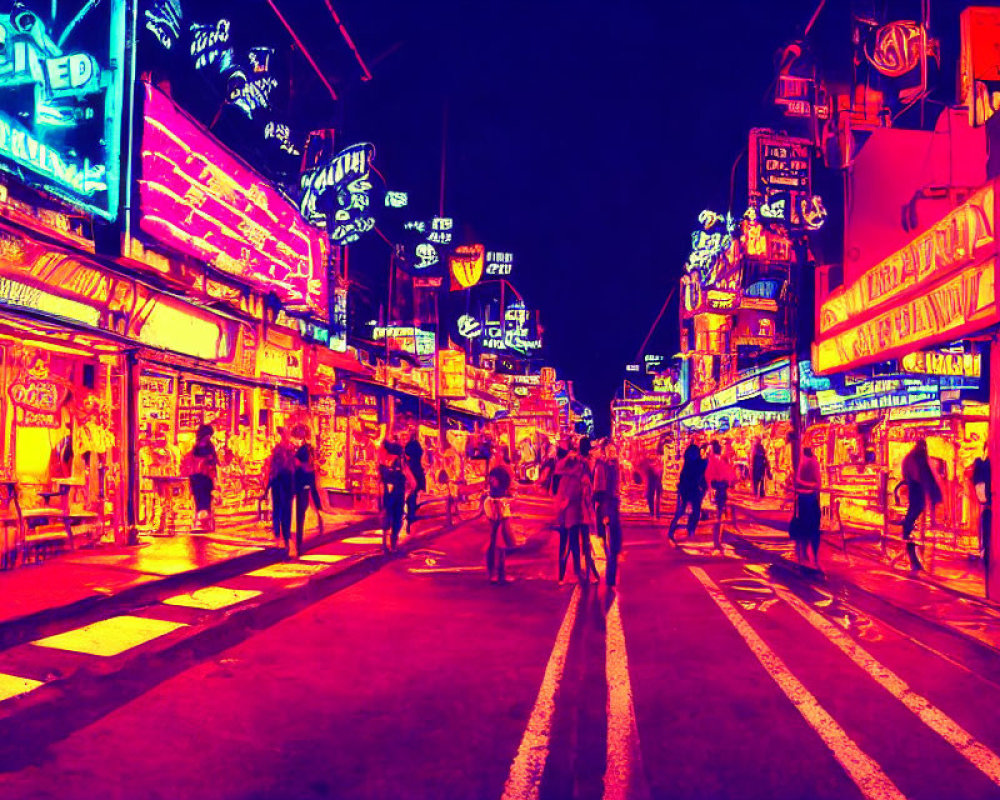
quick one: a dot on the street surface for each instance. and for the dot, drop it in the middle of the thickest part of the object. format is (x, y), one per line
(703, 676)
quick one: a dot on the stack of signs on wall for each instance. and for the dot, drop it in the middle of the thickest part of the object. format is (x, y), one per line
(226, 73)
(710, 280)
(424, 248)
(61, 87)
(781, 179)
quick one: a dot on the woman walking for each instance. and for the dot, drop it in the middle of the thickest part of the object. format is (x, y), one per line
(203, 465)
(921, 485)
(719, 475)
(806, 531)
(690, 491)
(305, 486)
(390, 470)
(281, 483)
(607, 499)
(497, 507)
(573, 499)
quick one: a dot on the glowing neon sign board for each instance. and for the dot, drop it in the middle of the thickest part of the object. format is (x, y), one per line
(897, 48)
(962, 303)
(963, 237)
(466, 265)
(37, 400)
(451, 373)
(780, 175)
(60, 99)
(338, 195)
(198, 198)
(979, 64)
(499, 264)
(935, 362)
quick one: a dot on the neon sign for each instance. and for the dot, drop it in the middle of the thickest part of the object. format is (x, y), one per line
(14, 293)
(163, 20)
(60, 101)
(469, 327)
(964, 302)
(935, 362)
(207, 45)
(499, 264)
(979, 65)
(898, 48)
(961, 238)
(780, 174)
(466, 265)
(201, 200)
(37, 401)
(337, 195)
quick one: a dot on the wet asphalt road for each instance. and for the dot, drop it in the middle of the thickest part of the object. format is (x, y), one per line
(704, 676)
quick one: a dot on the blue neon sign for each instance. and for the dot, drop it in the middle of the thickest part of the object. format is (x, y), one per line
(61, 83)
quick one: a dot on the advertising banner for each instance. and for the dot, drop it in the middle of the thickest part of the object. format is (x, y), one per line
(199, 199)
(451, 373)
(61, 78)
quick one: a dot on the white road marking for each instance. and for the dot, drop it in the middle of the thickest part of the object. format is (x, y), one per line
(525, 778)
(934, 718)
(15, 686)
(862, 769)
(212, 598)
(623, 775)
(110, 637)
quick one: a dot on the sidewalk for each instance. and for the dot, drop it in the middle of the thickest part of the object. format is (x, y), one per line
(950, 595)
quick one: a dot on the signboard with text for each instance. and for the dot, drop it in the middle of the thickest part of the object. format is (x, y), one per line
(199, 199)
(61, 78)
(780, 175)
(451, 373)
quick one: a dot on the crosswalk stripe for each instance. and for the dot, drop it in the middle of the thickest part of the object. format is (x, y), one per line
(525, 778)
(862, 769)
(934, 718)
(623, 768)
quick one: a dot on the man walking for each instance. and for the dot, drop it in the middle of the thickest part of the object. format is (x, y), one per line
(719, 475)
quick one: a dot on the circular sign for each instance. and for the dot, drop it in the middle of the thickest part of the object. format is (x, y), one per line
(469, 327)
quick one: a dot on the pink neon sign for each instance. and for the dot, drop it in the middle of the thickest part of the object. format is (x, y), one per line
(201, 200)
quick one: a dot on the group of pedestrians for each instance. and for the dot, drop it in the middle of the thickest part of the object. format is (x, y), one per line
(290, 478)
(401, 472)
(699, 474)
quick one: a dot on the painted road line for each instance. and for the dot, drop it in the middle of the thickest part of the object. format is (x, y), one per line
(212, 598)
(862, 769)
(370, 538)
(976, 753)
(623, 774)
(287, 570)
(15, 686)
(525, 778)
(110, 637)
(325, 558)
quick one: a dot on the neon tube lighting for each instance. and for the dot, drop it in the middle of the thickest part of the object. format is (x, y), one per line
(302, 47)
(350, 42)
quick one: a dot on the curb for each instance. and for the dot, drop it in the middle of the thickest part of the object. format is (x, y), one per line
(89, 609)
(30, 723)
(836, 581)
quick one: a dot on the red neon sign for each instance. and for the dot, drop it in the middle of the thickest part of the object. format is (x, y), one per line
(199, 199)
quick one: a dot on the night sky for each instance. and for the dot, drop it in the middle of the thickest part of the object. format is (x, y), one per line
(583, 137)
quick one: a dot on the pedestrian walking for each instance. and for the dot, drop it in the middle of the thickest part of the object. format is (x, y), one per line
(202, 467)
(720, 476)
(690, 491)
(497, 509)
(651, 468)
(450, 476)
(760, 468)
(607, 501)
(804, 528)
(921, 485)
(982, 484)
(306, 490)
(280, 474)
(414, 454)
(574, 503)
(390, 472)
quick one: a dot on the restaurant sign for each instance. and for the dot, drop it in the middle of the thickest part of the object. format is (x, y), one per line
(964, 237)
(960, 304)
(199, 199)
(61, 75)
(451, 373)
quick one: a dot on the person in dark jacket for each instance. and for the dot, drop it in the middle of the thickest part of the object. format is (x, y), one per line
(982, 483)
(607, 499)
(414, 453)
(280, 474)
(759, 468)
(204, 463)
(390, 470)
(690, 490)
(305, 485)
(921, 485)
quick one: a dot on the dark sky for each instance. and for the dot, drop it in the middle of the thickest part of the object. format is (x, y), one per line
(585, 137)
